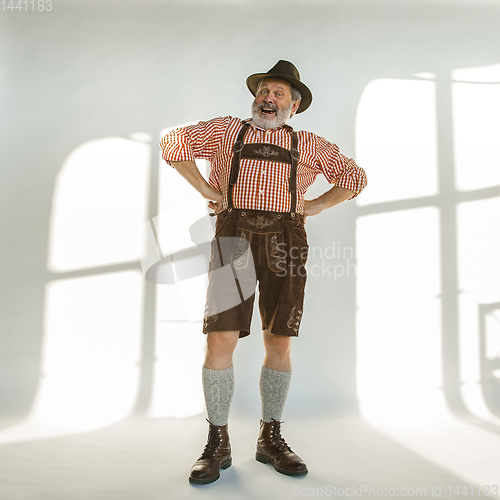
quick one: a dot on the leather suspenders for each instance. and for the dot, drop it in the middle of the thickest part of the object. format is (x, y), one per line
(295, 155)
(264, 151)
(235, 164)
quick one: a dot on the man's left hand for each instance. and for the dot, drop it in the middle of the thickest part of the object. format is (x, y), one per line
(331, 198)
(312, 207)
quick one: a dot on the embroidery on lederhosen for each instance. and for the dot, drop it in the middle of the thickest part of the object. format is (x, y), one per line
(260, 222)
(266, 151)
(275, 255)
(209, 316)
(294, 320)
(241, 254)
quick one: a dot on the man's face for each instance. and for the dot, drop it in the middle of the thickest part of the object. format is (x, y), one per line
(273, 105)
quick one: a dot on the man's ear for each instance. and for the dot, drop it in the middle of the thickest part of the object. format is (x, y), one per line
(295, 107)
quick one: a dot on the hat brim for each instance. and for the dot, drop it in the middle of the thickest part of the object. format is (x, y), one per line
(253, 81)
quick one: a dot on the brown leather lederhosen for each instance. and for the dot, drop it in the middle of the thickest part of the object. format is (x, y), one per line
(281, 291)
(266, 152)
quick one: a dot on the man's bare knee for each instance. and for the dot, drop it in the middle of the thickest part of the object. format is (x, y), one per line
(225, 340)
(220, 348)
(276, 344)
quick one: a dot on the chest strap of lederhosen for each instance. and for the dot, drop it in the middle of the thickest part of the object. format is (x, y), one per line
(265, 152)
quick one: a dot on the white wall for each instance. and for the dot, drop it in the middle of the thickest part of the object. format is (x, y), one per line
(89, 80)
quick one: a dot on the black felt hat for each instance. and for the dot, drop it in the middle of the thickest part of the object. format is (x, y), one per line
(283, 70)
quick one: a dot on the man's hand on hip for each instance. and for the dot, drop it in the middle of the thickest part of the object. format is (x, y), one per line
(312, 207)
(331, 198)
(215, 198)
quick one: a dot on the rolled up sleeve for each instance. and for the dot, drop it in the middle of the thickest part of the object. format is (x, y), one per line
(176, 146)
(339, 169)
(192, 142)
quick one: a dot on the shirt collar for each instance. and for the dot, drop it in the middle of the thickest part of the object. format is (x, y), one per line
(255, 127)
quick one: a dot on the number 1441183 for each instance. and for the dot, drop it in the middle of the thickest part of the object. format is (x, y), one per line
(27, 5)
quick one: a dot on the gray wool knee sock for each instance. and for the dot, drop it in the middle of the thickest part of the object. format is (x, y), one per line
(218, 386)
(274, 386)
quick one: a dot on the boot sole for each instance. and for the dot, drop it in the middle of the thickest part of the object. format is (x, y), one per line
(264, 460)
(208, 480)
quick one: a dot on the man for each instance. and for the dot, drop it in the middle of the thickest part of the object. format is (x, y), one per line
(260, 169)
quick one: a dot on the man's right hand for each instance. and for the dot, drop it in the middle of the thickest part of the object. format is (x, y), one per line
(215, 198)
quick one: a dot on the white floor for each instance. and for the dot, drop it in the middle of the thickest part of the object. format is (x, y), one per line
(147, 459)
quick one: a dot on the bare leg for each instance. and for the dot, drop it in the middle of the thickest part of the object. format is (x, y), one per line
(277, 351)
(220, 348)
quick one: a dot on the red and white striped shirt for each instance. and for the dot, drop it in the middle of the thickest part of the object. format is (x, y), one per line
(262, 185)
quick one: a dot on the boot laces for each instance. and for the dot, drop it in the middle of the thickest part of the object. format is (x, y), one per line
(278, 439)
(213, 443)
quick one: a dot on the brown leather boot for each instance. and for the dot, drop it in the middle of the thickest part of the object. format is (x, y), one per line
(215, 456)
(272, 448)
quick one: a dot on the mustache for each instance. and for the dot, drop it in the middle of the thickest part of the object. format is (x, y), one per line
(270, 106)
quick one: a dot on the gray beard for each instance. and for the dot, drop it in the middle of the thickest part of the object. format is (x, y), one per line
(280, 118)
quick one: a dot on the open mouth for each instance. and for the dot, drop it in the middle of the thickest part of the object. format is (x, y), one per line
(265, 110)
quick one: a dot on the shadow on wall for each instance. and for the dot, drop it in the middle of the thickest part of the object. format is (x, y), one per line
(431, 271)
